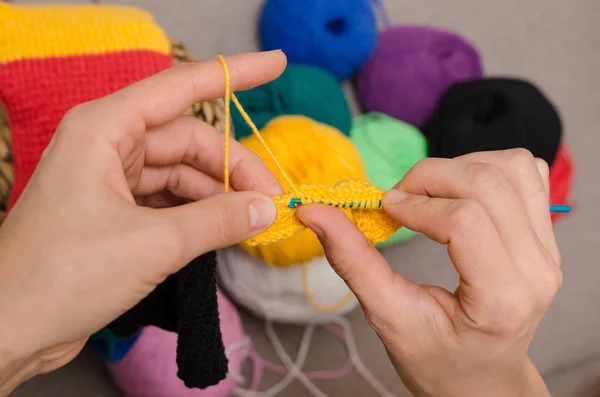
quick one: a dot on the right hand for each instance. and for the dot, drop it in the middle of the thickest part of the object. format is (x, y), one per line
(492, 211)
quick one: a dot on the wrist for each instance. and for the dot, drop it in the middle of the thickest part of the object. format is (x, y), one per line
(515, 380)
(16, 364)
(532, 384)
(15, 371)
(18, 361)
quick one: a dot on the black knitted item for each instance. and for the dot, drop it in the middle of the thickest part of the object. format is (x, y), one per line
(185, 303)
(494, 114)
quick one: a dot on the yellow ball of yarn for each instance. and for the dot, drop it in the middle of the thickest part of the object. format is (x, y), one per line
(310, 153)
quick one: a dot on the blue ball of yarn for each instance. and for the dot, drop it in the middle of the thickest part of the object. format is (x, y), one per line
(336, 35)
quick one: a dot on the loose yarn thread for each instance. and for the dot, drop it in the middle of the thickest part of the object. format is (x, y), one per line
(294, 368)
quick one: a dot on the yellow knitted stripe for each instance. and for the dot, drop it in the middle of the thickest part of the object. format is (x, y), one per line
(28, 31)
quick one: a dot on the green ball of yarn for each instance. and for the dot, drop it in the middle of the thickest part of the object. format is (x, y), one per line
(389, 148)
(301, 90)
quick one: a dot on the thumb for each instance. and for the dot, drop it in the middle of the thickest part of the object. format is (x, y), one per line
(360, 265)
(220, 221)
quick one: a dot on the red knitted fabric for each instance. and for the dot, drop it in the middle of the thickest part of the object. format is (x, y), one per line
(37, 93)
(561, 179)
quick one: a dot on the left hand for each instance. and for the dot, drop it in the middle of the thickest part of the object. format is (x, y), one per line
(76, 249)
(492, 211)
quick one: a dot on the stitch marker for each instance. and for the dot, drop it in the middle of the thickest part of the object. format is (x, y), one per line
(560, 208)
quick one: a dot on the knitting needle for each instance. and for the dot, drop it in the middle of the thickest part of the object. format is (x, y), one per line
(560, 208)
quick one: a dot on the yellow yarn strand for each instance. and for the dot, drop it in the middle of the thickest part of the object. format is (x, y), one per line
(360, 200)
(229, 96)
(262, 141)
(313, 302)
(227, 121)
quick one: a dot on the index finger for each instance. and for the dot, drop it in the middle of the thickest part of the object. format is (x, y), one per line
(166, 95)
(191, 141)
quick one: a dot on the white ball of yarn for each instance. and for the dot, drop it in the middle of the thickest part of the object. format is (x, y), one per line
(277, 293)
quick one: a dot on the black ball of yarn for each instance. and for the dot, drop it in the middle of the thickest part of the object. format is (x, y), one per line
(494, 114)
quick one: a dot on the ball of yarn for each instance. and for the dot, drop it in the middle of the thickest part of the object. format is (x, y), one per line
(336, 35)
(301, 90)
(494, 114)
(277, 293)
(411, 68)
(389, 148)
(561, 179)
(149, 368)
(310, 153)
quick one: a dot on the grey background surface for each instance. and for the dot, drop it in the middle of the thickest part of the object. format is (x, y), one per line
(554, 43)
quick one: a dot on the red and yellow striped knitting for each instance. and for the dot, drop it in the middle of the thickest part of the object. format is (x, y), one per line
(55, 57)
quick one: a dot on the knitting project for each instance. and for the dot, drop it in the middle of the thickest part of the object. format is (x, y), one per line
(361, 201)
(55, 57)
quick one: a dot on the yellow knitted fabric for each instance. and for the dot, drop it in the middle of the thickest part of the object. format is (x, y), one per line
(300, 151)
(101, 28)
(375, 225)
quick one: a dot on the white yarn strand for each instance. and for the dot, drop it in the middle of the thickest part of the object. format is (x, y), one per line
(358, 364)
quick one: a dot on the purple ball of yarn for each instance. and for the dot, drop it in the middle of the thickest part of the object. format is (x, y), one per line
(410, 70)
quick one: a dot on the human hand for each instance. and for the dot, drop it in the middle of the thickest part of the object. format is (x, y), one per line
(77, 248)
(492, 211)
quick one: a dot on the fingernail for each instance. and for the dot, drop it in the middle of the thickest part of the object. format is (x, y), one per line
(394, 197)
(262, 212)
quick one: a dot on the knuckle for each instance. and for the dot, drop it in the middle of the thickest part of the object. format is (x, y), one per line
(75, 112)
(552, 281)
(522, 163)
(420, 166)
(511, 314)
(466, 216)
(71, 119)
(343, 269)
(417, 169)
(174, 180)
(520, 158)
(485, 177)
(382, 325)
(226, 219)
(543, 168)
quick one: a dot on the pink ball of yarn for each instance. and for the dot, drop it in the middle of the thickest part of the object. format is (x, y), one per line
(149, 369)
(410, 70)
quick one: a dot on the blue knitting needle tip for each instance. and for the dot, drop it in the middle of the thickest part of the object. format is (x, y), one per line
(560, 208)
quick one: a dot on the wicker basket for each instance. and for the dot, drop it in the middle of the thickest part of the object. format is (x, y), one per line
(212, 112)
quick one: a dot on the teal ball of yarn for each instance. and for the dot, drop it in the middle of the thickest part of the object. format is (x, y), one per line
(301, 90)
(388, 148)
